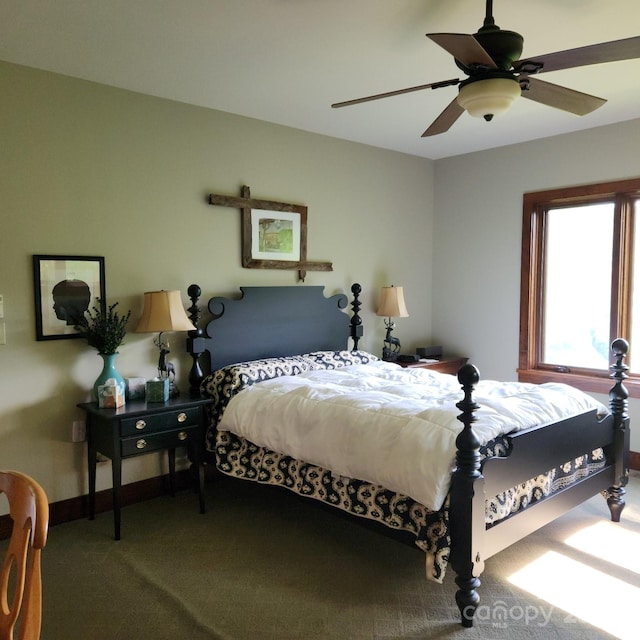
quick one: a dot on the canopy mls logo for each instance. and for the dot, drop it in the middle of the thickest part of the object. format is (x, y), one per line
(499, 614)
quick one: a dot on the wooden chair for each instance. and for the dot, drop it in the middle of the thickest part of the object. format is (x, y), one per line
(20, 579)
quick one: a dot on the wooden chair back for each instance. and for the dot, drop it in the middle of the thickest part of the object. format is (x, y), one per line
(20, 579)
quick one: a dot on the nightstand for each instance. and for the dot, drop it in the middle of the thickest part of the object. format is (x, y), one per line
(448, 364)
(139, 428)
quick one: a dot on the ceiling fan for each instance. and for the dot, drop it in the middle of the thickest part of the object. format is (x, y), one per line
(496, 75)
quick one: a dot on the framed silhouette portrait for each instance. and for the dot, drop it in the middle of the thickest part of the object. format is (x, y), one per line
(64, 288)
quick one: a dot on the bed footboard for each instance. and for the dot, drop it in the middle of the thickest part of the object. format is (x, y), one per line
(618, 403)
(466, 527)
(532, 452)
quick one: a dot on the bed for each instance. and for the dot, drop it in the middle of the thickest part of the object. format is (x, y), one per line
(497, 484)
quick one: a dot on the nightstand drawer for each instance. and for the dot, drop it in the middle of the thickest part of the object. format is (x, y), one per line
(163, 440)
(159, 422)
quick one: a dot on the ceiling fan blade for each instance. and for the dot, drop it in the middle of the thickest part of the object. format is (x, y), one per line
(613, 51)
(463, 47)
(445, 120)
(388, 94)
(563, 98)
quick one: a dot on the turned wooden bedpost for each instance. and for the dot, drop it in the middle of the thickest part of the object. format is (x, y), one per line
(466, 523)
(356, 320)
(195, 374)
(618, 405)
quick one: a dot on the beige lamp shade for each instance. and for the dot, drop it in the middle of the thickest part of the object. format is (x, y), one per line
(488, 98)
(392, 303)
(163, 311)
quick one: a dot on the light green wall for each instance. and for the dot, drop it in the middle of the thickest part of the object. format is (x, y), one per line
(86, 169)
(476, 270)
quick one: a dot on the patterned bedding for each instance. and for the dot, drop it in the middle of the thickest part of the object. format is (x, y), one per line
(241, 458)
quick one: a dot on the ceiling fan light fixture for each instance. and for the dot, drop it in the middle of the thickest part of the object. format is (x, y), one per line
(488, 97)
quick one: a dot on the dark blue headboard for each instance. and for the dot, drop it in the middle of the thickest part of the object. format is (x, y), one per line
(272, 322)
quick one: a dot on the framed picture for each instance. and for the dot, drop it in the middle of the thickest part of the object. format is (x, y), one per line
(274, 239)
(64, 288)
(274, 234)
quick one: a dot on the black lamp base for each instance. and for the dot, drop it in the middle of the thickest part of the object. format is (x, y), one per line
(388, 355)
(391, 347)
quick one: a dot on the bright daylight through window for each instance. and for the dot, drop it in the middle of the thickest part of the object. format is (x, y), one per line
(577, 289)
(577, 286)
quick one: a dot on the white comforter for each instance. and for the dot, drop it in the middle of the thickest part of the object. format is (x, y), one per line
(388, 425)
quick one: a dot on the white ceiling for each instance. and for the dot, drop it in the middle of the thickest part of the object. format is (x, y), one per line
(286, 61)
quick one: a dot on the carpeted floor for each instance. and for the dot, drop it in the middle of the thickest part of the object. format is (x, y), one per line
(262, 564)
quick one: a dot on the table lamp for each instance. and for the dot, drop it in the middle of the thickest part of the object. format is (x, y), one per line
(391, 306)
(163, 311)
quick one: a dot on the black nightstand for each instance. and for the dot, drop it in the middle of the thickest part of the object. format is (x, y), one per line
(139, 428)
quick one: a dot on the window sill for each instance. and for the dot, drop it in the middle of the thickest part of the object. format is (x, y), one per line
(587, 383)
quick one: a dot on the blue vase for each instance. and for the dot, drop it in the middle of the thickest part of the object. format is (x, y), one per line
(108, 372)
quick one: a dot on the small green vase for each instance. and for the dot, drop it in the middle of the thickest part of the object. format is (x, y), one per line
(108, 372)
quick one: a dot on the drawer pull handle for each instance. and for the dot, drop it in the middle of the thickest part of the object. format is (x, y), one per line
(182, 417)
(140, 424)
(141, 444)
(183, 435)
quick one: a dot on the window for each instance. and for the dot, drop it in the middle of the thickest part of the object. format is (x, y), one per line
(577, 284)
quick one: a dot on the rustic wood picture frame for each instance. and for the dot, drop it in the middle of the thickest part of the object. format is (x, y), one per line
(255, 209)
(257, 249)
